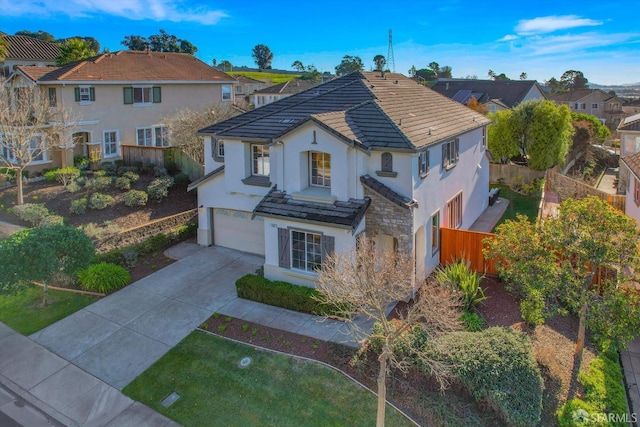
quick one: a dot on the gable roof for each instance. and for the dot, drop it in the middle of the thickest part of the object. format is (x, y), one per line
(288, 88)
(247, 80)
(633, 163)
(509, 92)
(578, 94)
(29, 48)
(365, 108)
(132, 66)
(631, 123)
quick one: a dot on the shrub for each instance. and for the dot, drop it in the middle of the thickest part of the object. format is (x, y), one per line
(135, 198)
(604, 394)
(122, 170)
(154, 243)
(97, 232)
(172, 168)
(498, 367)
(118, 163)
(109, 168)
(158, 172)
(99, 173)
(131, 175)
(51, 220)
(79, 206)
(33, 213)
(104, 277)
(73, 187)
(282, 294)
(403, 345)
(123, 183)
(159, 187)
(101, 183)
(138, 165)
(181, 179)
(459, 276)
(81, 162)
(63, 175)
(100, 201)
(472, 322)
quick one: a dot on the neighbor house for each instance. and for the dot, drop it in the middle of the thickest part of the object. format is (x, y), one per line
(124, 98)
(361, 155)
(495, 94)
(23, 50)
(630, 164)
(247, 86)
(629, 131)
(274, 93)
(596, 102)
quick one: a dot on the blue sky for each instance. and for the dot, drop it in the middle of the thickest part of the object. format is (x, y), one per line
(542, 38)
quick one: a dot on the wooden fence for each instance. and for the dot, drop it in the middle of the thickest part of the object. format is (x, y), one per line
(468, 245)
(161, 157)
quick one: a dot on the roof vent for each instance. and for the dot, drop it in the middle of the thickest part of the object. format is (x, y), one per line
(396, 82)
(400, 122)
(430, 130)
(372, 86)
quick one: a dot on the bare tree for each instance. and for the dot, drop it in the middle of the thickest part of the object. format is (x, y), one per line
(31, 128)
(184, 124)
(364, 283)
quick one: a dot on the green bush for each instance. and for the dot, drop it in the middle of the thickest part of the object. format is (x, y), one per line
(100, 173)
(81, 162)
(604, 395)
(101, 183)
(154, 243)
(131, 175)
(73, 187)
(63, 175)
(51, 220)
(109, 168)
(282, 294)
(403, 345)
(79, 206)
(159, 172)
(459, 277)
(100, 201)
(104, 277)
(472, 322)
(123, 183)
(33, 213)
(95, 231)
(181, 179)
(498, 367)
(159, 187)
(135, 198)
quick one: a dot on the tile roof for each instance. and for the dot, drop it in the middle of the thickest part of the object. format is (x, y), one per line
(244, 79)
(289, 87)
(29, 48)
(577, 94)
(277, 204)
(387, 193)
(633, 163)
(135, 66)
(631, 123)
(365, 108)
(510, 92)
(205, 178)
(33, 72)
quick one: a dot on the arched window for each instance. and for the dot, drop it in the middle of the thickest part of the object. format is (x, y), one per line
(387, 162)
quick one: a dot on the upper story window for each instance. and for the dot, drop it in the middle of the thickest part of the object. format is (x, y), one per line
(240, 90)
(85, 94)
(157, 136)
(450, 153)
(580, 106)
(226, 92)
(492, 108)
(220, 148)
(594, 106)
(320, 169)
(423, 163)
(260, 160)
(386, 160)
(111, 143)
(53, 98)
(142, 95)
(614, 105)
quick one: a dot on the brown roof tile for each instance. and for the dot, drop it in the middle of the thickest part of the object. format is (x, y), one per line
(633, 163)
(387, 192)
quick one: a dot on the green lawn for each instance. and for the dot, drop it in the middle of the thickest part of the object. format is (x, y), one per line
(273, 390)
(518, 204)
(275, 78)
(24, 313)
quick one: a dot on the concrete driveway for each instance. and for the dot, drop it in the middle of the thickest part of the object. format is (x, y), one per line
(120, 336)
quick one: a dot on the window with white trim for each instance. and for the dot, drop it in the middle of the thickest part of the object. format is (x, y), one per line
(156, 136)
(53, 98)
(594, 106)
(423, 163)
(220, 148)
(226, 92)
(435, 232)
(306, 250)
(111, 143)
(320, 169)
(450, 153)
(260, 160)
(454, 211)
(84, 94)
(142, 95)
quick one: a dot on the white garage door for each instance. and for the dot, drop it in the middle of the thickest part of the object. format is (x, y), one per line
(236, 230)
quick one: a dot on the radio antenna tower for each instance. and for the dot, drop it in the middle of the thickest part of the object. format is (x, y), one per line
(391, 62)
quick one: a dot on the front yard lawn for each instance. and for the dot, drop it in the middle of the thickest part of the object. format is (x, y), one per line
(273, 390)
(518, 204)
(24, 312)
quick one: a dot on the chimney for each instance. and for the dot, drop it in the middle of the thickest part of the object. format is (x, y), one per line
(446, 86)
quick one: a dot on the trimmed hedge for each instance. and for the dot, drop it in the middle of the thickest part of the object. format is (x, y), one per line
(104, 277)
(283, 294)
(498, 367)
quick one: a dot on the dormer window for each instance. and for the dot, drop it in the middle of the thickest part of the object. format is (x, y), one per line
(320, 169)
(387, 162)
(260, 160)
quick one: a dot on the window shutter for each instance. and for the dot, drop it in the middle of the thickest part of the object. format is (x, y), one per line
(445, 154)
(92, 94)
(328, 246)
(284, 260)
(76, 93)
(157, 95)
(387, 162)
(426, 155)
(213, 147)
(128, 95)
(457, 149)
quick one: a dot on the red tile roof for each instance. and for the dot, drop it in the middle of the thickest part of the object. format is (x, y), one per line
(633, 163)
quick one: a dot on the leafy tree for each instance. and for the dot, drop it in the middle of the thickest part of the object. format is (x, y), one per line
(43, 255)
(540, 130)
(523, 76)
(412, 71)
(477, 106)
(572, 79)
(435, 67)
(187, 47)
(297, 65)
(380, 62)
(29, 128)
(553, 84)
(134, 42)
(426, 73)
(91, 42)
(3, 48)
(601, 132)
(349, 64)
(262, 55)
(445, 72)
(40, 35)
(553, 264)
(72, 50)
(491, 73)
(364, 283)
(501, 76)
(225, 65)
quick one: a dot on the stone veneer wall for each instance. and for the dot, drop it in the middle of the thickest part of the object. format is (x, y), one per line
(569, 188)
(386, 217)
(144, 231)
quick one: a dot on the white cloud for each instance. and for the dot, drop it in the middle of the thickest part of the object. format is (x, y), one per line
(508, 38)
(549, 24)
(156, 10)
(573, 43)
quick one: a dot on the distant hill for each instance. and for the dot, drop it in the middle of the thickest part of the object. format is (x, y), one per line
(627, 90)
(272, 78)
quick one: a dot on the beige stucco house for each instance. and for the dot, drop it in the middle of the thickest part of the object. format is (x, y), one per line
(24, 50)
(123, 98)
(606, 107)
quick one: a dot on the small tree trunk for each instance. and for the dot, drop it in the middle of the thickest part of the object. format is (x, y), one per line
(45, 294)
(581, 332)
(382, 386)
(19, 186)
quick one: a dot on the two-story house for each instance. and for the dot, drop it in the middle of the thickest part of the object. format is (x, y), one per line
(359, 155)
(274, 93)
(123, 98)
(629, 131)
(246, 87)
(596, 102)
(495, 94)
(24, 50)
